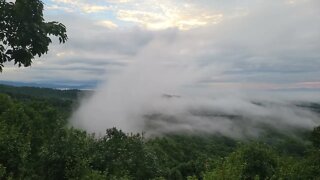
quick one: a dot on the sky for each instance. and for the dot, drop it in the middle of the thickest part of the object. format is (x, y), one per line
(223, 44)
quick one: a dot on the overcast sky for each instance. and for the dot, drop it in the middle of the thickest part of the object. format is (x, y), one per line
(254, 44)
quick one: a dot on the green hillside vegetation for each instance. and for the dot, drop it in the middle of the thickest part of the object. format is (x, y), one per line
(36, 92)
(36, 142)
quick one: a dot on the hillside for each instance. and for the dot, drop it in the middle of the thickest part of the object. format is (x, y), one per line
(37, 142)
(37, 92)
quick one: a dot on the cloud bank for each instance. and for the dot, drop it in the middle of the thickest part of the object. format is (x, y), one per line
(206, 79)
(100, 44)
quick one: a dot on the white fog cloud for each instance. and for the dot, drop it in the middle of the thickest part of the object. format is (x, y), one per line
(216, 55)
(273, 39)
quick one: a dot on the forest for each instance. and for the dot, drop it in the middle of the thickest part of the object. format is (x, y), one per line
(36, 142)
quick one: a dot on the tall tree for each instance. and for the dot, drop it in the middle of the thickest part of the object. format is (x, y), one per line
(24, 33)
(315, 137)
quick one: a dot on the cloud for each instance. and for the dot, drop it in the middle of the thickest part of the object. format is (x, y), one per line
(275, 46)
(168, 17)
(91, 52)
(118, 1)
(155, 15)
(85, 7)
(57, 7)
(107, 24)
(274, 43)
(254, 46)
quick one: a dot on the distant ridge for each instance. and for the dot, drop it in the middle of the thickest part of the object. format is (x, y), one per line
(64, 85)
(25, 92)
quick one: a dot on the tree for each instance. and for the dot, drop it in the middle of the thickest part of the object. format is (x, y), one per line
(315, 137)
(124, 156)
(310, 166)
(252, 161)
(23, 32)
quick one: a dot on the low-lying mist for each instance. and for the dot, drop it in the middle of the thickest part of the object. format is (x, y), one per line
(227, 114)
(209, 80)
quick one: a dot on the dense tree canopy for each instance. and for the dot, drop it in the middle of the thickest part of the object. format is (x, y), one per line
(37, 143)
(23, 32)
(315, 137)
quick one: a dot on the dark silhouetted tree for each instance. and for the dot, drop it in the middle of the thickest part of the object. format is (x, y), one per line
(23, 32)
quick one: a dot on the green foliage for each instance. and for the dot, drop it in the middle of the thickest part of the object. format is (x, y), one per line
(184, 155)
(24, 33)
(32, 93)
(37, 143)
(67, 155)
(192, 178)
(5, 103)
(309, 168)
(2, 171)
(248, 162)
(120, 154)
(315, 137)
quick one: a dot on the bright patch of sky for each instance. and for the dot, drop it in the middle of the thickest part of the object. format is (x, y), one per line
(151, 14)
(259, 43)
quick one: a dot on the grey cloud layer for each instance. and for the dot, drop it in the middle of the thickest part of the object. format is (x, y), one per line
(276, 42)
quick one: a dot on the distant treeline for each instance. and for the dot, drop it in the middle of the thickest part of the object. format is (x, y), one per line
(37, 92)
(36, 142)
